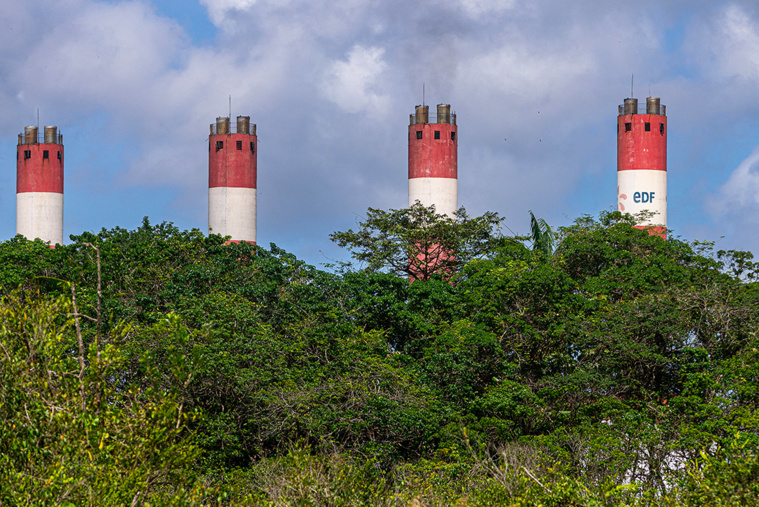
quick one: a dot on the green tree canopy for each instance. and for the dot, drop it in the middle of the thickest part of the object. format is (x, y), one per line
(184, 366)
(419, 242)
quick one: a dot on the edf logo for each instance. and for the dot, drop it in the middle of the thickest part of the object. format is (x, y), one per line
(643, 196)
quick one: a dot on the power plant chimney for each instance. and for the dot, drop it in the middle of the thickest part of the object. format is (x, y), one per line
(433, 159)
(39, 185)
(642, 162)
(232, 179)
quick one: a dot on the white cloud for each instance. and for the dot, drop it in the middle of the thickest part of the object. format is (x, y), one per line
(519, 72)
(327, 18)
(740, 194)
(736, 44)
(734, 208)
(352, 84)
(103, 53)
(479, 8)
(218, 9)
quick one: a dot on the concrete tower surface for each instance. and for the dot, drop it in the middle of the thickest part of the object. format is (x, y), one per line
(39, 185)
(433, 159)
(642, 162)
(232, 179)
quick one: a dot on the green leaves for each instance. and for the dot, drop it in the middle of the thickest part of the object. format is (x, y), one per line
(725, 476)
(543, 238)
(80, 439)
(547, 375)
(418, 242)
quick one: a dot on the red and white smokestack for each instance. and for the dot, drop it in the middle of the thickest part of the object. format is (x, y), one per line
(39, 185)
(642, 162)
(232, 180)
(433, 160)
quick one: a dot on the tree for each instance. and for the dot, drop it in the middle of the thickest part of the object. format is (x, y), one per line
(543, 238)
(418, 242)
(73, 429)
(235, 370)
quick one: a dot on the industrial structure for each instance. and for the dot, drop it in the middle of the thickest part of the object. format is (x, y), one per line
(642, 162)
(39, 185)
(232, 179)
(432, 171)
(433, 159)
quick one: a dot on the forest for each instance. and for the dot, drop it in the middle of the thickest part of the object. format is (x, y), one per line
(448, 364)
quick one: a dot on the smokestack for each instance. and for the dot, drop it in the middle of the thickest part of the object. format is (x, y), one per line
(433, 160)
(39, 185)
(642, 162)
(232, 174)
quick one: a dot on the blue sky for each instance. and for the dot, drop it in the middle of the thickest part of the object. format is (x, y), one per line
(133, 86)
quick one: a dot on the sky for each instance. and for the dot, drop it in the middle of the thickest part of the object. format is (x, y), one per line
(535, 84)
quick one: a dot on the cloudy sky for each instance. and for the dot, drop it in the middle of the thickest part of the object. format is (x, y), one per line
(133, 86)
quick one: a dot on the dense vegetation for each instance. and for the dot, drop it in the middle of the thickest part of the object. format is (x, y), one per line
(163, 367)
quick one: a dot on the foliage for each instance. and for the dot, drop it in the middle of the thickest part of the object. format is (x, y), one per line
(728, 476)
(418, 242)
(162, 366)
(542, 236)
(70, 432)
